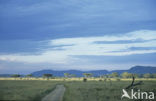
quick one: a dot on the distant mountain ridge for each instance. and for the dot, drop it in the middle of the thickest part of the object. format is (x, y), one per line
(78, 73)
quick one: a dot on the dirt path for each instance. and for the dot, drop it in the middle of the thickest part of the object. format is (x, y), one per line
(56, 94)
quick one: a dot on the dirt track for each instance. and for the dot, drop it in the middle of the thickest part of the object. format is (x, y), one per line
(56, 94)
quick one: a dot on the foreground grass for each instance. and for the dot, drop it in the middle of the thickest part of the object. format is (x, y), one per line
(76, 79)
(34, 90)
(25, 90)
(101, 91)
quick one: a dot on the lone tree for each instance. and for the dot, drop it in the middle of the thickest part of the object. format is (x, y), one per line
(16, 76)
(29, 75)
(136, 75)
(114, 75)
(154, 75)
(147, 75)
(126, 75)
(47, 76)
(72, 75)
(66, 75)
(87, 74)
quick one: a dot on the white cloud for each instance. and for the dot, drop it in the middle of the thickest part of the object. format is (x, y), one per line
(142, 34)
(87, 46)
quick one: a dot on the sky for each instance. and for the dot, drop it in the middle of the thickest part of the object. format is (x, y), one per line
(76, 34)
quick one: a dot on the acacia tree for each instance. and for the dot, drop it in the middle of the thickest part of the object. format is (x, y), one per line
(147, 75)
(47, 76)
(15, 76)
(29, 75)
(114, 75)
(154, 75)
(87, 74)
(136, 75)
(126, 75)
(66, 75)
(105, 76)
(72, 75)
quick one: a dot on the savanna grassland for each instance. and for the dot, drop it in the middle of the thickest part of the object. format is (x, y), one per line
(76, 90)
(101, 91)
(25, 89)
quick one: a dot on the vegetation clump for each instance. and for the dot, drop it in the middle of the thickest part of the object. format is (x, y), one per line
(84, 79)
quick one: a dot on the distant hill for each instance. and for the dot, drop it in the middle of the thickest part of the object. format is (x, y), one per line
(78, 73)
(138, 70)
(5, 75)
(56, 73)
(142, 69)
(8, 75)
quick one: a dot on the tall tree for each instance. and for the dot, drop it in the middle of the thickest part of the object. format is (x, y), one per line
(66, 75)
(72, 75)
(16, 76)
(29, 75)
(87, 74)
(114, 75)
(47, 76)
(126, 75)
(154, 75)
(147, 75)
(136, 75)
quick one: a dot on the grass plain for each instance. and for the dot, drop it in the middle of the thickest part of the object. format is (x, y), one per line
(29, 90)
(76, 89)
(101, 91)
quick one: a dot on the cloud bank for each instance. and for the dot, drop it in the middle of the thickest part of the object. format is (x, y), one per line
(64, 50)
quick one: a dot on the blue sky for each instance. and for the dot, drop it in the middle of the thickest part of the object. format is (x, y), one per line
(76, 34)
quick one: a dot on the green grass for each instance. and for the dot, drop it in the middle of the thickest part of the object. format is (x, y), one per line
(75, 90)
(25, 90)
(101, 91)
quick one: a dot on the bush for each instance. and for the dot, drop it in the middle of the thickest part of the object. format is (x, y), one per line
(118, 79)
(84, 79)
(100, 80)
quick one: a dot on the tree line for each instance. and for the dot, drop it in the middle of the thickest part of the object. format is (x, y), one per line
(130, 75)
(87, 75)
